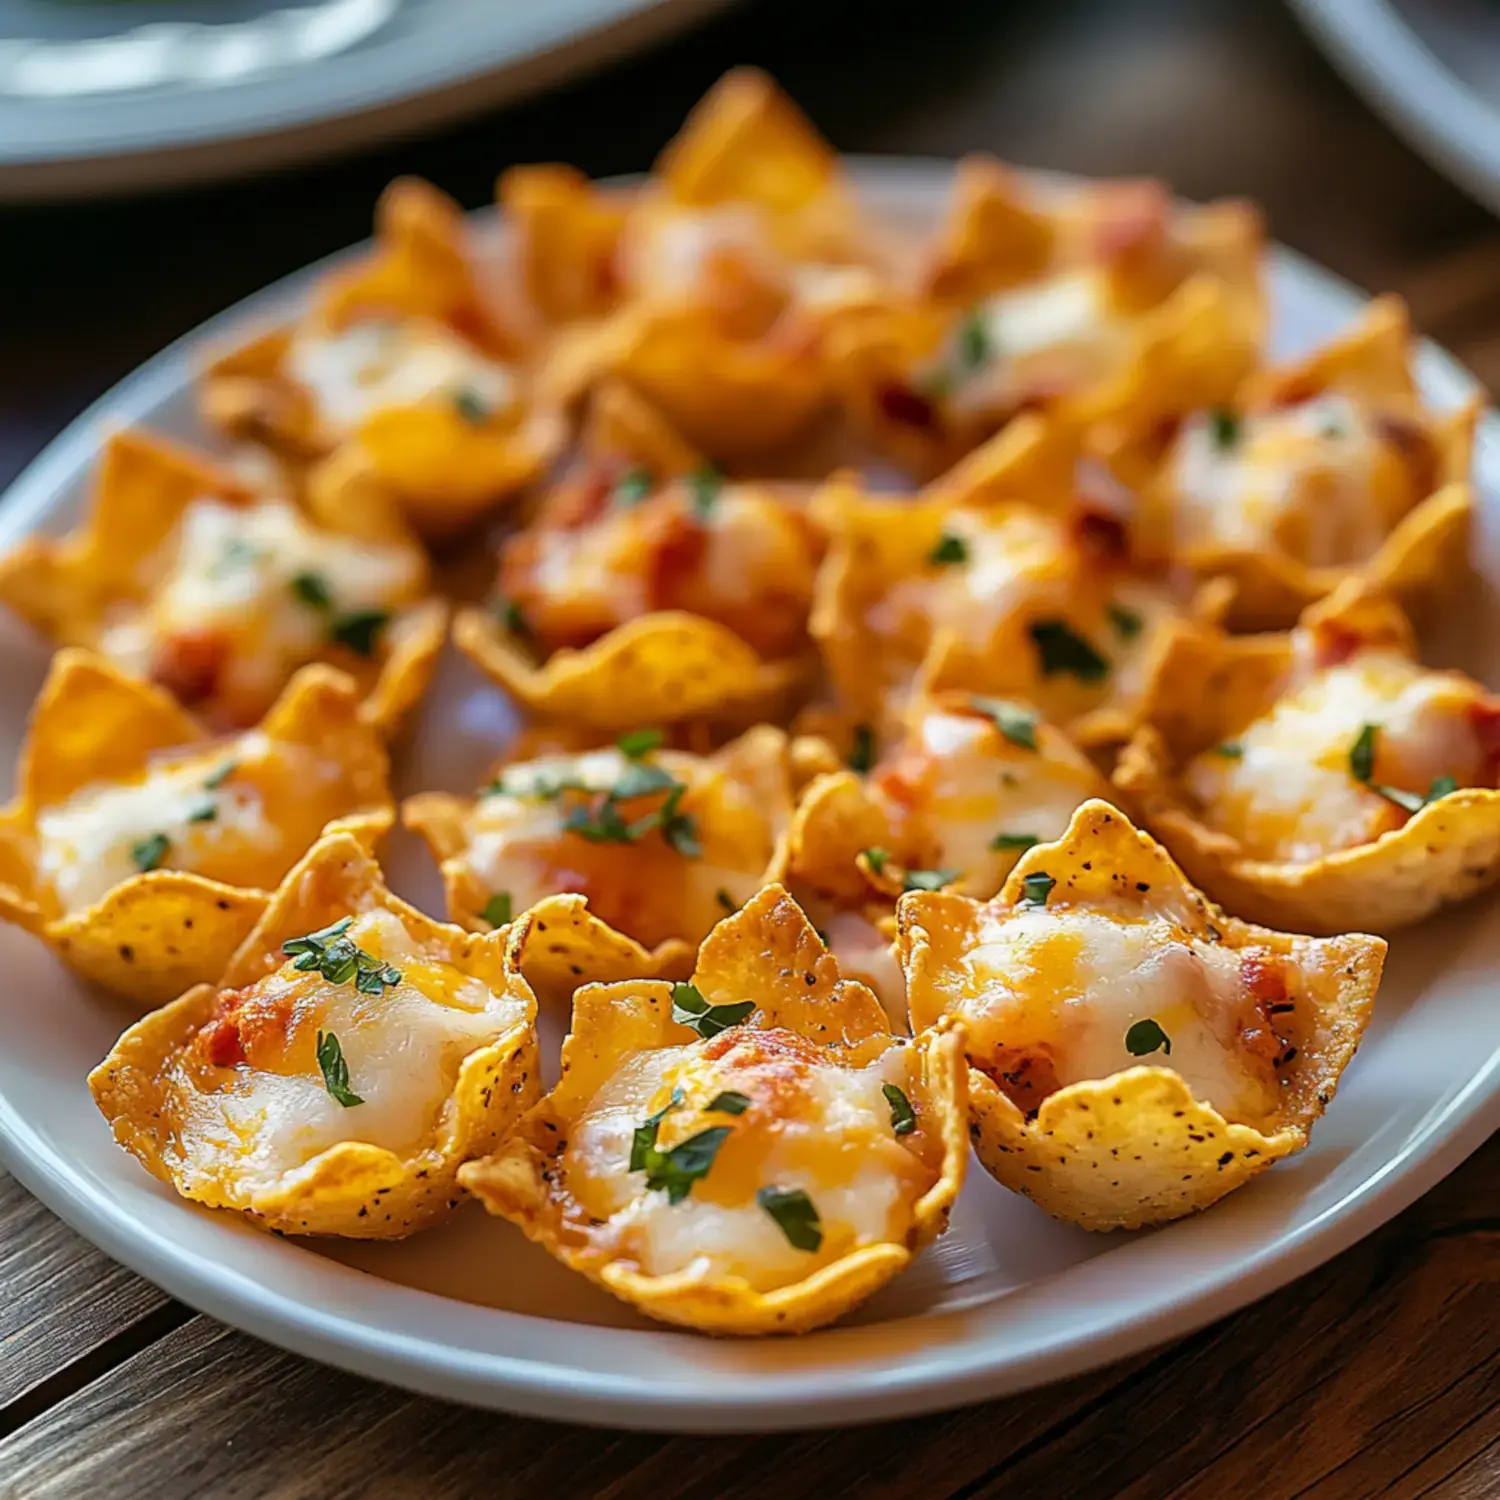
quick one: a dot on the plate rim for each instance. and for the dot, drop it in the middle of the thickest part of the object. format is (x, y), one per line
(899, 1386)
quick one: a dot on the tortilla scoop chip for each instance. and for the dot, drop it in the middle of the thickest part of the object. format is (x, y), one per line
(735, 399)
(197, 1117)
(160, 930)
(659, 668)
(1136, 1147)
(992, 238)
(566, 232)
(805, 1019)
(623, 425)
(746, 141)
(1206, 688)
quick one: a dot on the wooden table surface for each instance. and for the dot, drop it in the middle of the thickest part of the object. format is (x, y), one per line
(1377, 1375)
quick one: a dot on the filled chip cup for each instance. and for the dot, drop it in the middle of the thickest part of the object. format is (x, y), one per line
(181, 574)
(354, 1053)
(142, 850)
(749, 1153)
(1321, 778)
(1134, 1054)
(661, 842)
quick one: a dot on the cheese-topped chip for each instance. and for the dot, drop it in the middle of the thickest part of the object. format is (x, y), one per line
(354, 1053)
(181, 575)
(749, 1153)
(1106, 302)
(403, 368)
(1310, 474)
(662, 843)
(1323, 777)
(141, 850)
(1134, 1053)
(1010, 599)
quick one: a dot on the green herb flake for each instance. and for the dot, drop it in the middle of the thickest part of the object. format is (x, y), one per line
(1444, 786)
(1017, 724)
(511, 616)
(903, 1116)
(795, 1216)
(149, 853)
(335, 1070)
(704, 486)
(471, 406)
(876, 859)
(497, 910)
(359, 630)
(691, 1009)
(312, 589)
(634, 486)
(204, 813)
(975, 346)
(862, 753)
(1146, 1037)
(638, 742)
(948, 550)
(339, 960)
(727, 903)
(1224, 429)
(674, 1172)
(1037, 888)
(1362, 753)
(929, 880)
(220, 774)
(1063, 651)
(730, 1102)
(1014, 841)
(1127, 622)
(1230, 750)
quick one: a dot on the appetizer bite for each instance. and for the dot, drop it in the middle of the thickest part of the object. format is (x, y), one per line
(695, 588)
(661, 842)
(1056, 299)
(749, 1153)
(953, 804)
(1134, 1053)
(1037, 600)
(1321, 778)
(142, 851)
(182, 575)
(1324, 469)
(403, 372)
(715, 289)
(353, 1054)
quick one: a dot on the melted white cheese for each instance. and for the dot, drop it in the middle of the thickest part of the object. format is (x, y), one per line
(1296, 479)
(1074, 981)
(1290, 793)
(1069, 309)
(380, 364)
(838, 1148)
(403, 1048)
(84, 845)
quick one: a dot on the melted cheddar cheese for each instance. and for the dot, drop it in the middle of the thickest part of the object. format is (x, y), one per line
(961, 796)
(248, 1098)
(240, 813)
(1285, 786)
(811, 1124)
(246, 595)
(1052, 991)
(382, 364)
(744, 560)
(1314, 481)
(645, 886)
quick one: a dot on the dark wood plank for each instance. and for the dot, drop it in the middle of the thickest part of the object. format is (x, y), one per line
(66, 1311)
(1374, 1376)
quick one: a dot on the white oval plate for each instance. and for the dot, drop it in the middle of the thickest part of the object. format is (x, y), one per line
(1008, 1299)
(102, 97)
(1431, 70)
